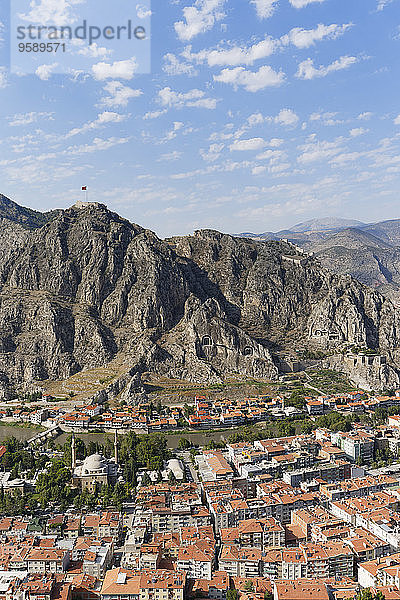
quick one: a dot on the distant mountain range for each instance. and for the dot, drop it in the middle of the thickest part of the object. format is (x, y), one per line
(370, 252)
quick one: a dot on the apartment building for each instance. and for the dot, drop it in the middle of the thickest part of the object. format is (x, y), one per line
(241, 562)
(123, 584)
(47, 560)
(196, 560)
(357, 445)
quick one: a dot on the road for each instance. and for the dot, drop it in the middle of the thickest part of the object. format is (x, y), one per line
(190, 471)
(311, 386)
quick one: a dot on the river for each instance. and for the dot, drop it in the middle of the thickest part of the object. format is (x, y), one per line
(20, 433)
(197, 438)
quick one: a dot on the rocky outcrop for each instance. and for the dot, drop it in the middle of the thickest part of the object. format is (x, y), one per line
(369, 373)
(89, 287)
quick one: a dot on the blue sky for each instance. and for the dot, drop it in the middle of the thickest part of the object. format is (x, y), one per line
(256, 115)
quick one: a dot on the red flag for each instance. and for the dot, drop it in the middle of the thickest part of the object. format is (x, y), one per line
(84, 188)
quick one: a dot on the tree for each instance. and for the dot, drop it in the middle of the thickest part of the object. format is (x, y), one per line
(80, 449)
(380, 415)
(232, 595)
(297, 399)
(366, 594)
(188, 410)
(146, 480)
(184, 444)
(307, 427)
(53, 486)
(92, 448)
(335, 422)
(152, 451)
(286, 429)
(268, 595)
(249, 586)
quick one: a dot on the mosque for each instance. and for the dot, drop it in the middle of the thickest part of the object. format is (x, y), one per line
(95, 470)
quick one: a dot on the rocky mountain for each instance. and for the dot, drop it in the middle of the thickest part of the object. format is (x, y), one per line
(370, 259)
(89, 289)
(368, 252)
(388, 231)
(26, 217)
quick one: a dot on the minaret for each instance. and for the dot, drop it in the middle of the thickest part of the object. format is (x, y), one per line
(115, 447)
(73, 452)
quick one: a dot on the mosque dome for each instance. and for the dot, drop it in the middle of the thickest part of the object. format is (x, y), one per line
(94, 462)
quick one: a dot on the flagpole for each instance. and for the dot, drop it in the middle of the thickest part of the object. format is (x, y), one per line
(85, 189)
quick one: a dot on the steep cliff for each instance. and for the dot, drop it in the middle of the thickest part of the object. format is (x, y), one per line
(89, 287)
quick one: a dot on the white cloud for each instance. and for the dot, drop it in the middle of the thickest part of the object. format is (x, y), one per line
(259, 170)
(327, 118)
(119, 94)
(245, 145)
(173, 66)
(255, 119)
(315, 150)
(307, 70)
(171, 135)
(155, 114)
(3, 77)
(276, 169)
(169, 156)
(381, 4)
(44, 71)
(248, 55)
(142, 11)
(357, 131)
(275, 142)
(304, 38)
(273, 156)
(199, 18)
(28, 118)
(252, 81)
(193, 98)
(102, 119)
(397, 120)
(365, 116)
(96, 145)
(264, 8)
(303, 3)
(51, 12)
(235, 55)
(286, 117)
(213, 152)
(92, 51)
(122, 69)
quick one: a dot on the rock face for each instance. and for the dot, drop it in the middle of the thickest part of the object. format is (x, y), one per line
(367, 372)
(89, 287)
